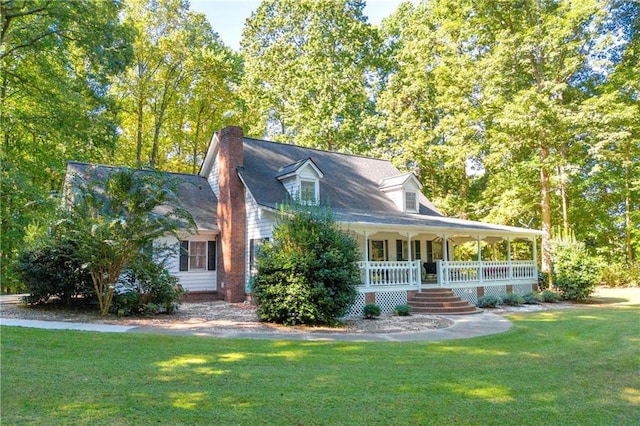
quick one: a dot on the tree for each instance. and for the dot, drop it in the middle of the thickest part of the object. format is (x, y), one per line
(308, 273)
(56, 59)
(115, 218)
(177, 90)
(308, 70)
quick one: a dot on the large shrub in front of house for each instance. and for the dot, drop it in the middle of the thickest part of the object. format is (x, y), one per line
(307, 274)
(575, 271)
(51, 270)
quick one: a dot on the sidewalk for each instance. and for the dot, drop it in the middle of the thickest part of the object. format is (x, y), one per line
(465, 326)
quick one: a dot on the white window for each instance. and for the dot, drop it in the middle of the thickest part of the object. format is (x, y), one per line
(308, 192)
(197, 255)
(410, 201)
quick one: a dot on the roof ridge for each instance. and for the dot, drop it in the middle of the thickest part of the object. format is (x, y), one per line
(111, 166)
(318, 149)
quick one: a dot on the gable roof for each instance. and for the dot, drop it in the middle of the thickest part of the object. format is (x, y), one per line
(194, 192)
(350, 182)
(291, 169)
(398, 181)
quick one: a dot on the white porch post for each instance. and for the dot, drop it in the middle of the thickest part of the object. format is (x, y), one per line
(445, 261)
(480, 274)
(510, 268)
(409, 257)
(367, 282)
(535, 257)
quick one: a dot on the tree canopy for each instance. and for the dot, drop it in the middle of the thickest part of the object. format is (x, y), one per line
(523, 113)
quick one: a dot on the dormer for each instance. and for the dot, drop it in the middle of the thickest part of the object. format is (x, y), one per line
(302, 180)
(404, 191)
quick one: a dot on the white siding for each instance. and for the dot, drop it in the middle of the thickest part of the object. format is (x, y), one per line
(213, 178)
(259, 225)
(196, 280)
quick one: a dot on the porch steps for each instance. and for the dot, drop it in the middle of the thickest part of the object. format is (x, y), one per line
(440, 301)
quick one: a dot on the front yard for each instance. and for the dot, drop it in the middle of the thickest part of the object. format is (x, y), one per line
(573, 366)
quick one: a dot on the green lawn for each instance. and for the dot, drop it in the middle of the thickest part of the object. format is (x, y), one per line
(575, 366)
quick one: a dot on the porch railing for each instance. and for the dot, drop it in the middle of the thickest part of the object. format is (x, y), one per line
(409, 274)
(400, 273)
(472, 271)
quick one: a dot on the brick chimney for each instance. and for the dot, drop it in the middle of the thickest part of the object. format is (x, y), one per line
(231, 216)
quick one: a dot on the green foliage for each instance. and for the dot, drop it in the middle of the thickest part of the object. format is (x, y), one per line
(549, 296)
(56, 60)
(309, 73)
(307, 274)
(512, 299)
(149, 284)
(575, 271)
(403, 310)
(621, 275)
(543, 280)
(115, 218)
(488, 302)
(371, 311)
(53, 270)
(532, 298)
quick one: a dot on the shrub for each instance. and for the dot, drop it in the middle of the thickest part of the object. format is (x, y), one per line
(621, 275)
(148, 290)
(371, 311)
(488, 302)
(403, 310)
(308, 273)
(549, 296)
(575, 271)
(532, 298)
(52, 270)
(543, 280)
(512, 299)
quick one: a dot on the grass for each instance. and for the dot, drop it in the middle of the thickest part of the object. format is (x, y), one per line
(575, 366)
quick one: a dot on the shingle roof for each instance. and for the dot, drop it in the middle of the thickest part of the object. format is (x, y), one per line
(350, 182)
(350, 187)
(193, 191)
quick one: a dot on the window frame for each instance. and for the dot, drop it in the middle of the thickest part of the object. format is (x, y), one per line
(302, 193)
(209, 256)
(414, 207)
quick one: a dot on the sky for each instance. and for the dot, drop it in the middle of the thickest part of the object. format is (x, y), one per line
(227, 17)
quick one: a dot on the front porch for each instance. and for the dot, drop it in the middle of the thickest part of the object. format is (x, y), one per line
(413, 275)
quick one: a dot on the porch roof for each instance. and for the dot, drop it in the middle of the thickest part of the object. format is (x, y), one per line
(439, 225)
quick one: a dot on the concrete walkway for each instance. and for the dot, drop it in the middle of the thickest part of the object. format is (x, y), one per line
(465, 326)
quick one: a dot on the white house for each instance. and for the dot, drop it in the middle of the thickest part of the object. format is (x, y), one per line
(407, 245)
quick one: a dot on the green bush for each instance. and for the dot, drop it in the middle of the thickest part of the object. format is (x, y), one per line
(532, 298)
(308, 272)
(403, 310)
(549, 296)
(52, 271)
(575, 271)
(512, 299)
(543, 280)
(371, 311)
(621, 275)
(147, 291)
(488, 302)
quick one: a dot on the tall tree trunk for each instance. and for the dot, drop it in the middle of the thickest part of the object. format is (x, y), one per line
(565, 199)
(545, 204)
(627, 205)
(139, 133)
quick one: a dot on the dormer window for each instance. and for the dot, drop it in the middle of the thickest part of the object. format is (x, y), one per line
(410, 202)
(302, 181)
(403, 190)
(309, 191)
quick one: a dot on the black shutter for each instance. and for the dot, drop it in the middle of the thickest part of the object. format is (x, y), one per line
(184, 255)
(416, 252)
(399, 250)
(211, 255)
